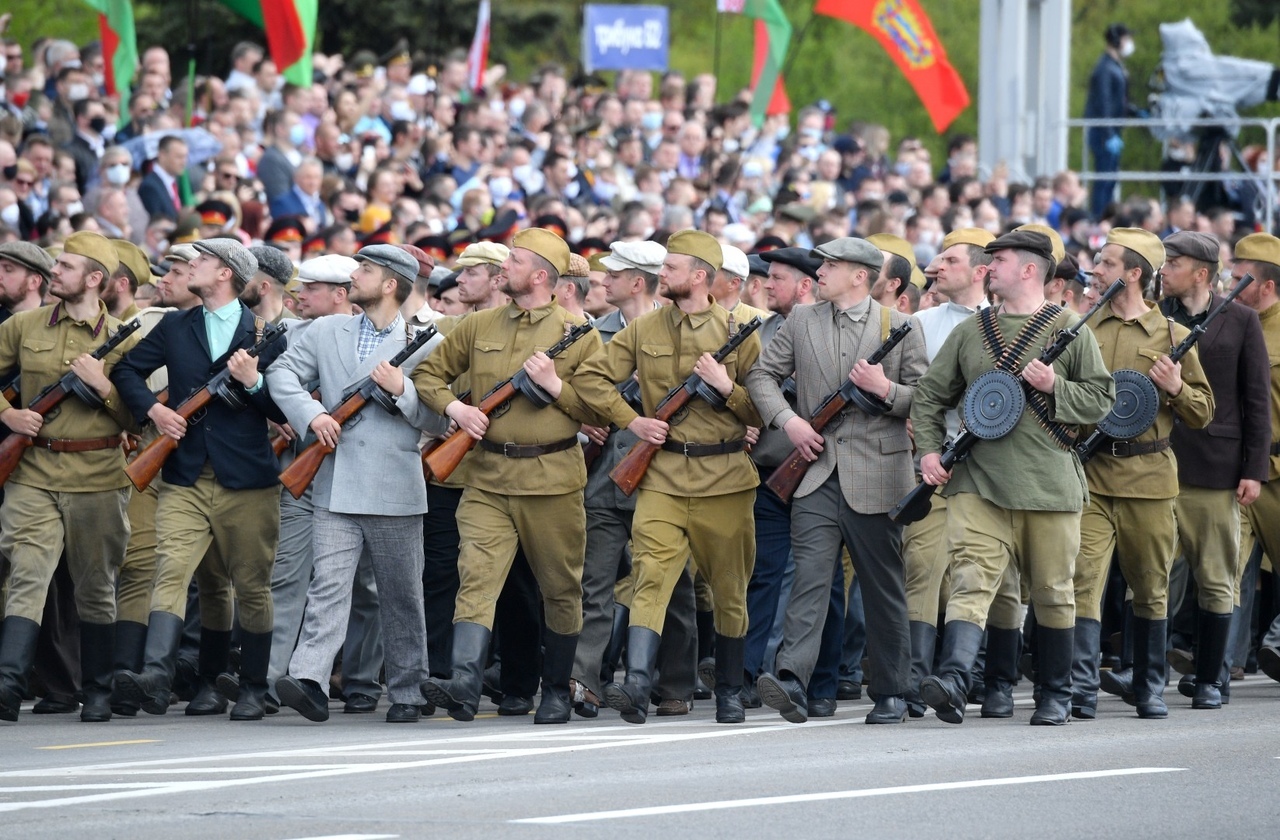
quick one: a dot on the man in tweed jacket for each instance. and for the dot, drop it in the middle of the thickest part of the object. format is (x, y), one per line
(861, 466)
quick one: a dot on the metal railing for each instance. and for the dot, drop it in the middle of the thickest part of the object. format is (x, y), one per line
(1266, 182)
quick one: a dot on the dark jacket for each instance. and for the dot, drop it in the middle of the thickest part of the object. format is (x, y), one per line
(156, 198)
(234, 443)
(1108, 97)
(1237, 442)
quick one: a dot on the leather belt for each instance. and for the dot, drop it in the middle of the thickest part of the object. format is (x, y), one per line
(1275, 448)
(1127, 448)
(700, 450)
(528, 450)
(76, 444)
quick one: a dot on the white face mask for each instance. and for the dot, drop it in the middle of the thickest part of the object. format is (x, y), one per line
(402, 110)
(576, 234)
(98, 80)
(10, 214)
(1126, 48)
(344, 161)
(118, 174)
(77, 92)
(435, 226)
(74, 208)
(500, 188)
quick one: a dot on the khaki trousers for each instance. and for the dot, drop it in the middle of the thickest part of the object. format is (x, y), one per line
(1142, 534)
(1209, 530)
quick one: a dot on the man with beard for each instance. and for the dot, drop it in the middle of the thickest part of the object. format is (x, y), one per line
(264, 295)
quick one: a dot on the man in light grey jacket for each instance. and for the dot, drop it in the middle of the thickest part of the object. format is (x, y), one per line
(370, 493)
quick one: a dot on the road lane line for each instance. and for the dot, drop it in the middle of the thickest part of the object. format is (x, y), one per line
(100, 744)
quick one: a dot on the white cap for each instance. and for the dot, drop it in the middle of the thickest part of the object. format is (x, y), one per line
(738, 234)
(420, 85)
(330, 268)
(735, 261)
(643, 256)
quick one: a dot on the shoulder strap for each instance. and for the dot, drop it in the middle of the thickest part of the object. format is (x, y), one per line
(259, 327)
(885, 315)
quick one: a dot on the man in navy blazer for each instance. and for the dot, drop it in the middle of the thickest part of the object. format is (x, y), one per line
(220, 495)
(159, 188)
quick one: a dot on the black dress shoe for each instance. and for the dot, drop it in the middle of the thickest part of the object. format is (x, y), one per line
(361, 704)
(304, 697)
(402, 713)
(785, 695)
(848, 690)
(822, 707)
(889, 708)
(52, 705)
(750, 696)
(512, 706)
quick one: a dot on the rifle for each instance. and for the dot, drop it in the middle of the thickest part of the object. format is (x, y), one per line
(635, 463)
(916, 504)
(433, 445)
(14, 446)
(630, 391)
(280, 443)
(1089, 447)
(297, 477)
(786, 479)
(444, 459)
(150, 460)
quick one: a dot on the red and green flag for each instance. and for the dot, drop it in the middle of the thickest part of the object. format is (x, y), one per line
(773, 38)
(290, 26)
(119, 48)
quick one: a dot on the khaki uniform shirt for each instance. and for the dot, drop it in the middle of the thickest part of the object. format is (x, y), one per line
(1136, 345)
(662, 346)
(491, 346)
(1271, 334)
(42, 343)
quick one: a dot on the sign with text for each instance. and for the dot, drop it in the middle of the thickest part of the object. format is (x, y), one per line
(625, 38)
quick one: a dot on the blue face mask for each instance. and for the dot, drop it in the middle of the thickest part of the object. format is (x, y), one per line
(298, 135)
(651, 121)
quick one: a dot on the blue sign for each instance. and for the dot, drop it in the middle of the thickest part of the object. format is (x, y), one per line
(625, 38)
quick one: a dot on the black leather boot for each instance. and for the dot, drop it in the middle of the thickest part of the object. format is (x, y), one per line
(97, 654)
(131, 642)
(728, 689)
(1211, 654)
(946, 690)
(460, 694)
(1085, 663)
(151, 688)
(17, 647)
(557, 667)
(617, 637)
(1149, 666)
(1055, 655)
(215, 657)
(255, 656)
(631, 697)
(924, 641)
(1003, 649)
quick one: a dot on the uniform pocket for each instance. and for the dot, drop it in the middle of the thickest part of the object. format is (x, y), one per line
(39, 356)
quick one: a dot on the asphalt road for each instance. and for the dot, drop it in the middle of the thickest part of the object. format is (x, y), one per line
(1196, 774)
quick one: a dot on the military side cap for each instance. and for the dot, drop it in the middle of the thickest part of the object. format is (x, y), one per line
(1259, 247)
(1144, 243)
(758, 265)
(29, 255)
(1023, 240)
(392, 258)
(578, 266)
(181, 253)
(239, 259)
(641, 256)
(95, 246)
(1055, 240)
(847, 249)
(596, 261)
(286, 229)
(735, 261)
(273, 263)
(483, 253)
(980, 237)
(545, 244)
(1193, 244)
(797, 258)
(894, 245)
(425, 261)
(695, 243)
(330, 268)
(917, 277)
(134, 258)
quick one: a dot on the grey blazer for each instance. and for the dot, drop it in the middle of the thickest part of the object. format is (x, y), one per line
(873, 454)
(376, 468)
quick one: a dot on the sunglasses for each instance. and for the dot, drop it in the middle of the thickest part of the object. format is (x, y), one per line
(23, 182)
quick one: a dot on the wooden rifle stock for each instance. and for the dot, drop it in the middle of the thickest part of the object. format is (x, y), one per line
(433, 445)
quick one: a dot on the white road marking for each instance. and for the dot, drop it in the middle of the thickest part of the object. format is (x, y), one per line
(838, 794)
(350, 837)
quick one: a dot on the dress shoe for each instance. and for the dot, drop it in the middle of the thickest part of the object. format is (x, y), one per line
(700, 689)
(304, 697)
(586, 703)
(512, 706)
(848, 690)
(822, 707)
(750, 696)
(674, 708)
(1237, 673)
(1187, 685)
(889, 708)
(54, 706)
(361, 704)
(1269, 662)
(403, 713)
(785, 695)
(270, 705)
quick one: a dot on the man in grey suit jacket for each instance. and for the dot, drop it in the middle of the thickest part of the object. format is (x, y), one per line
(370, 494)
(860, 466)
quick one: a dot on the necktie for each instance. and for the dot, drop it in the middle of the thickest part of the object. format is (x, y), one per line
(177, 199)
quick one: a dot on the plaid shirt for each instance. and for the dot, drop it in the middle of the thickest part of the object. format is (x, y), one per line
(371, 337)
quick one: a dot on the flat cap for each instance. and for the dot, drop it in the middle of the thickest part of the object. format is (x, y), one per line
(695, 243)
(546, 244)
(95, 246)
(1258, 247)
(273, 263)
(849, 249)
(437, 275)
(426, 263)
(134, 259)
(1193, 244)
(390, 257)
(28, 254)
(892, 244)
(181, 253)
(980, 237)
(735, 261)
(1055, 240)
(1023, 240)
(758, 265)
(239, 259)
(1144, 243)
(483, 253)
(330, 268)
(797, 258)
(642, 256)
(578, 266)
